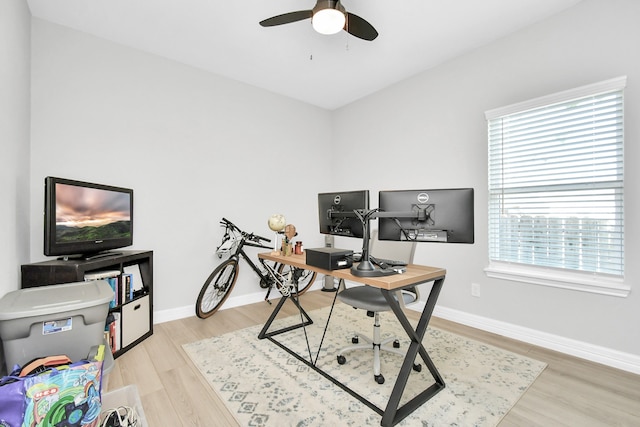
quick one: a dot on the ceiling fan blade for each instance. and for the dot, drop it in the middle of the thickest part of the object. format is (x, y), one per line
(287, 18)
(359, 27)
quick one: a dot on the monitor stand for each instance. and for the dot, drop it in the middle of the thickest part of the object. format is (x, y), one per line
(374, 271)
(365, 268)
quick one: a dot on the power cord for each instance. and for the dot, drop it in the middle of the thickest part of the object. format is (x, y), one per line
(122, 416)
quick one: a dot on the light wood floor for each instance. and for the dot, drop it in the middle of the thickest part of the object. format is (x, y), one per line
(570, 392)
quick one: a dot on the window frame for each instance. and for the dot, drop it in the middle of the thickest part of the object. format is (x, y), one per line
(600, 283)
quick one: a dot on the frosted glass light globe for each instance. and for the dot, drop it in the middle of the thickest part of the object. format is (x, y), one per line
(328, 21)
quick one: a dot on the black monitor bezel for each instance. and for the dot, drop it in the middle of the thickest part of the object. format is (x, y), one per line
(454, 225)
(327, 219)
(52, 247)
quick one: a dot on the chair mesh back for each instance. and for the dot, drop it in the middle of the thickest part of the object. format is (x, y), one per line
(387, 249)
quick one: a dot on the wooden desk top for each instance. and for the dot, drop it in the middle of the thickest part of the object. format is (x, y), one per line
(414, 275)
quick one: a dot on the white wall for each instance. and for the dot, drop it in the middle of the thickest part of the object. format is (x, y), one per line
(102, 112)
(194, 147)
(429, 132)
(14, 134)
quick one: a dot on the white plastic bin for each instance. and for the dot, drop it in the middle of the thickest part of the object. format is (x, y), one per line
(125, 396)
(57, 319)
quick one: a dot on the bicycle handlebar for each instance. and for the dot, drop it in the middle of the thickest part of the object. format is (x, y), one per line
(250, 236)
(261, 238)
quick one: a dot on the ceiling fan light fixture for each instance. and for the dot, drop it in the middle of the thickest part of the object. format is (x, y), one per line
(328, 21)
(327, 17)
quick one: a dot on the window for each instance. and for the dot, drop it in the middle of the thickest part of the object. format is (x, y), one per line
(556, 190)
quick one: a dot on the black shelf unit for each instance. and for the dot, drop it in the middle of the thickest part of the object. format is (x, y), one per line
(59, 271)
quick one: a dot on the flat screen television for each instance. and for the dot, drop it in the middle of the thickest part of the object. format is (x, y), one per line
(84, 220)
(441, 215)
(336, 212)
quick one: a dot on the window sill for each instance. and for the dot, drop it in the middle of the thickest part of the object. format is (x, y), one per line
(593, 283)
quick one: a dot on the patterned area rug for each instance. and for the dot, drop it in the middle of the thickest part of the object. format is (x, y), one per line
(262, 385)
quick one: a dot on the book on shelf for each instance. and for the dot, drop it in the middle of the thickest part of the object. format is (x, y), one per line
(136, 277)
(114, 338)
(126, 288)
(111, 277)
(113, 283)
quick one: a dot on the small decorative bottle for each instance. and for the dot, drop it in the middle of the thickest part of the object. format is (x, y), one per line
(286, 247)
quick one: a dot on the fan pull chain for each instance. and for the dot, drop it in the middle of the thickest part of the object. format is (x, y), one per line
(346, 35)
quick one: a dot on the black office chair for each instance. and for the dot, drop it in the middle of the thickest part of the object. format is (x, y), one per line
(371, 299)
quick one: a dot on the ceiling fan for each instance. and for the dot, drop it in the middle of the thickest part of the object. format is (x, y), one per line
(327, 17)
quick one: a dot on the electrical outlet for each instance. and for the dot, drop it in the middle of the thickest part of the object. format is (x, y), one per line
(475, 289)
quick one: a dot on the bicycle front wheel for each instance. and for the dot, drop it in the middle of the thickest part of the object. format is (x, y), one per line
(216, 288)
(301, 279)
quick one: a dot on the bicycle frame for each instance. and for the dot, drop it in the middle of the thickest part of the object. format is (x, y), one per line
(249, 239)
(289, 281)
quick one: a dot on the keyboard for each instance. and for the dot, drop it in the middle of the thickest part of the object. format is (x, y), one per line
(387, 263)
(380, 262)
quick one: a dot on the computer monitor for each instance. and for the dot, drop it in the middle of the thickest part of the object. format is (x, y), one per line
(336, 212)
(442, 215)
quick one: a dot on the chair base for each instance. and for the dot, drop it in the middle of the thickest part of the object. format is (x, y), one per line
(376, 344)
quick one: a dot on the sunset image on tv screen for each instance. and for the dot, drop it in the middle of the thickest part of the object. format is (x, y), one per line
(91, 214)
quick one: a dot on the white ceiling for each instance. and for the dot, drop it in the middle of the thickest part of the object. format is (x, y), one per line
(328, 71)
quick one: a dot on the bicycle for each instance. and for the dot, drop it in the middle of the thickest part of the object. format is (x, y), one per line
(286, 279)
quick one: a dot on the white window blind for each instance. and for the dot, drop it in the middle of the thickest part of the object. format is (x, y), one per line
(556, 189)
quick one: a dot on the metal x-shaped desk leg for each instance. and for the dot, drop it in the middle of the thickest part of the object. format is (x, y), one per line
(264, 333)
(393, 414)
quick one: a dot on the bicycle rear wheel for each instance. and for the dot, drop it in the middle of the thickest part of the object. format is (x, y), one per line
(216, 288)
(303, 278)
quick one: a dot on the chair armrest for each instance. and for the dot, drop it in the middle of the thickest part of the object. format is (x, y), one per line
(414, 292)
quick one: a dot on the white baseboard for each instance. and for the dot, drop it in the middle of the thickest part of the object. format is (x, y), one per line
(606, 356)
(162, 316)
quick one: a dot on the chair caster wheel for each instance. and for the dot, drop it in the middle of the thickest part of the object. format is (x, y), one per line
(379, 379)
(417, 367)
(396, 344)
(341, 360)
(355, 340)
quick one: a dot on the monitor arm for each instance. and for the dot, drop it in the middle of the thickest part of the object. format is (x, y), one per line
(365, 216)
(365, 267)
